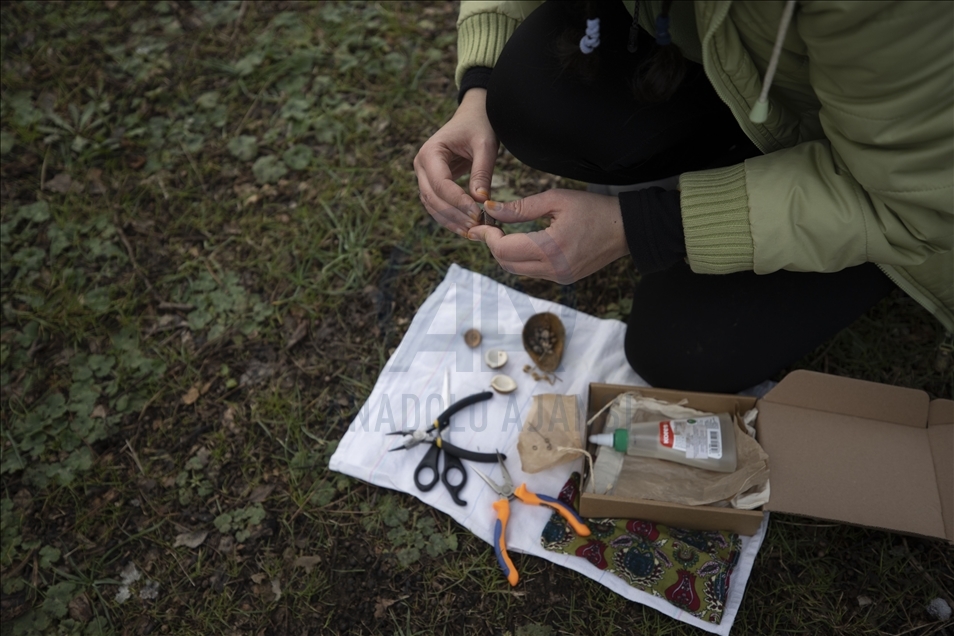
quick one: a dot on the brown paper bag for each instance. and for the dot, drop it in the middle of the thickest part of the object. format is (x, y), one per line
(551, 434)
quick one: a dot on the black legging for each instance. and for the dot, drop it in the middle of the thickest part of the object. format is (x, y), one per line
(689, 331)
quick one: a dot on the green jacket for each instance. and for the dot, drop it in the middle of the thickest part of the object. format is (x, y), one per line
(858, 160)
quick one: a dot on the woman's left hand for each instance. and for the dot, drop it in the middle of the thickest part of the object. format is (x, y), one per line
(585, 235)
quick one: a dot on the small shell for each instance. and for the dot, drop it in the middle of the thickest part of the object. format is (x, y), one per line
(495, 358)
(503, 384)
(472, 338)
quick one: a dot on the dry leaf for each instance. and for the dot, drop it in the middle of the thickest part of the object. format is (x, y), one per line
(191, 396)
(307, 562)
(98, 411)
(191, 539)
(80, 610)
(61, 183)
(261, 493)
(382, 604)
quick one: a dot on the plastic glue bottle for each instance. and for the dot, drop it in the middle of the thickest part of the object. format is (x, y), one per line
(706, 441)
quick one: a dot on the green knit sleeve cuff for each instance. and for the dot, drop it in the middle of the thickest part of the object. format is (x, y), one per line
(715, 218)
(480, 39)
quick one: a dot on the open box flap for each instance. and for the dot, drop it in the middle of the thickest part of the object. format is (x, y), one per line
(856, 452)
(848, 396)
(941, 434)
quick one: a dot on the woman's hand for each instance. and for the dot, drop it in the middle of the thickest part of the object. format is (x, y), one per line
(466, 143)
(585, 234)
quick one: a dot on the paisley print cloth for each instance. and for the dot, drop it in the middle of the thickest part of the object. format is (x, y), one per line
(688, 568)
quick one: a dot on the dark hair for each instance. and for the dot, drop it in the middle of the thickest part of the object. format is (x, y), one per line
(654, 79)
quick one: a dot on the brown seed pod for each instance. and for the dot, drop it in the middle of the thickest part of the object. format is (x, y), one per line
(472, 338)
(543, 338)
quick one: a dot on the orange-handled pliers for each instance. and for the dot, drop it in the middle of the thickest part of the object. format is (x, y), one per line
(502, 507)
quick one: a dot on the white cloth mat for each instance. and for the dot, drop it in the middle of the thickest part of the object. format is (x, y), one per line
(408, 395)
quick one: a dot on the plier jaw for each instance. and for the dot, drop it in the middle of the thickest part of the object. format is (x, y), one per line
(506, 489)
(416, 436)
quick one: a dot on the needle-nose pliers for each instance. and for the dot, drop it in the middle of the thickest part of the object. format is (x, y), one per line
(452, 454)
(502, 507)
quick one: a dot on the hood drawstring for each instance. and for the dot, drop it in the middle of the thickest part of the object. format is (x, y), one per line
(633, 45)
(591, 39)
(662, 28)
(759, 112)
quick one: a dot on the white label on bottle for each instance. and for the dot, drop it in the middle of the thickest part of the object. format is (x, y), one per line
(715, 441)
(699, 437)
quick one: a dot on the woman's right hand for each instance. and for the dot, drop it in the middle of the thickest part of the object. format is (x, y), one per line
(466, 143)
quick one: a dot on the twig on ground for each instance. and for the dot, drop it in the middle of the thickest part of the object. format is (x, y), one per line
(195, 168)
(132, 257)
(238, 20)
(46, 156)
(179, 563)
(135, 457)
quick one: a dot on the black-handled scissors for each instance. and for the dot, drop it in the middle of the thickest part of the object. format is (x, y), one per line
(452, 454)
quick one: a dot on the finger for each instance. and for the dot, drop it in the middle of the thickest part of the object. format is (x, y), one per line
(514, 248)
(482, 170)
(443, 212)
(448, 217)
(436, 166)
(453, 194)
(526, 209)
(484, 233)
(534, 254)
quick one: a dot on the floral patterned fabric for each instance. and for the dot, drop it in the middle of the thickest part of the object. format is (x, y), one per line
(688, 568)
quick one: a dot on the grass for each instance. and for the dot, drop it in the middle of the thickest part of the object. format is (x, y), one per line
(190, 322)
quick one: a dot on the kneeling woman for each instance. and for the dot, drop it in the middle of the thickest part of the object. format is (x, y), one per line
(803, 154)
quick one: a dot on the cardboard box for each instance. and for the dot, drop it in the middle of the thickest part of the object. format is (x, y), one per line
(839, 449)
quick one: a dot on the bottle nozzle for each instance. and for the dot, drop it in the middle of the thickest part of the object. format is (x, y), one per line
(603, 439)
(616, 440)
